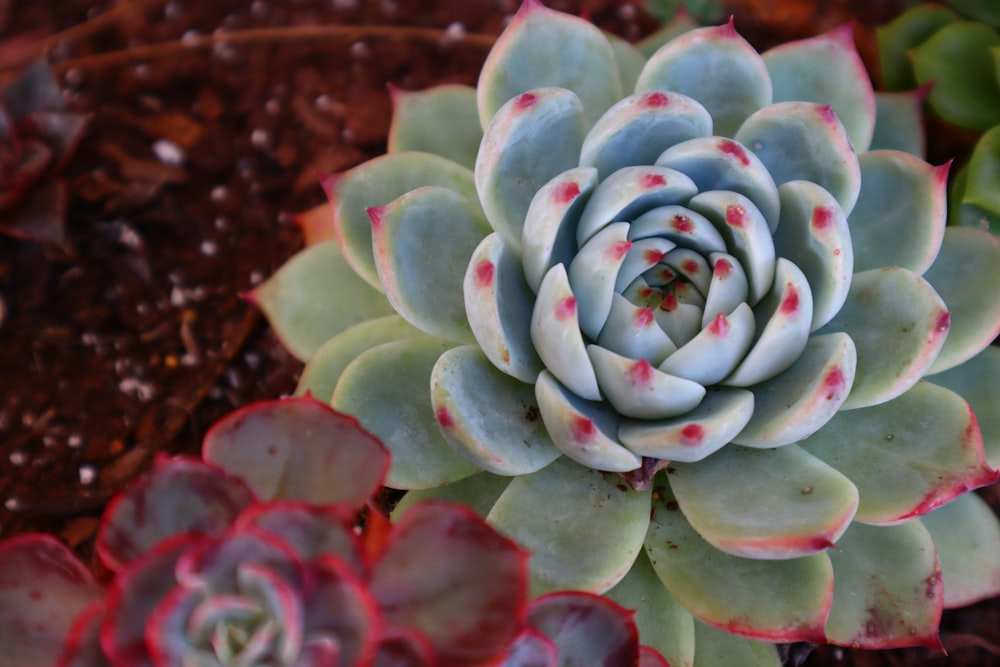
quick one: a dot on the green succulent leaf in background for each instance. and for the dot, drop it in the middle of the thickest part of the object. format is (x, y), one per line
(702, 311)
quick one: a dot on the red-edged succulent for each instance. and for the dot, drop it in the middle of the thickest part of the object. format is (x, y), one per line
(229, 567)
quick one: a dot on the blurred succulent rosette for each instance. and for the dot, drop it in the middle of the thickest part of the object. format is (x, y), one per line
(258, 558)
(690, 328)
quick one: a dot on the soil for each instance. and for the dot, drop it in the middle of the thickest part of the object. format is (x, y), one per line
(201, 140)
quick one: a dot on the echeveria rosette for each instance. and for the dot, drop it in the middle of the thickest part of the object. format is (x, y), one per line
(724, 269)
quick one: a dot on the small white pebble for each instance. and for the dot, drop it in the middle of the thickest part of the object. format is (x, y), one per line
(272, 106)
(18, 457)
(359, 50)
(141, 390)
(177, 297)
(252, 360)
(221, 223)
(190, 36)
(172, 11)
(256, 277)
(208, 248)
(73, 76)
(258, 9)
(219, 193)
(11, 504)
(168, 152)
(260, 138)
(88, 475)
(627, 12)
(74, 441)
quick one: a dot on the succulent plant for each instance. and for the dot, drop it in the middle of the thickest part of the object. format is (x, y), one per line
(952, 55)
(222, 568)
(37, 136)
(669, 330)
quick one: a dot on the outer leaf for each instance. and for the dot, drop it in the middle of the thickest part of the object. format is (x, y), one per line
(589, 534)
(376, 183)
(305, 309)
(320, 375)
(783, 600)
(477, 492)
(663, 623)
(532, 139)
(906, 32)
(965, 274)
(980, 11)
(531, 649)
(957, 59)
(180, 495)
(298, 449)
(423, 241)
(542, 47)
(898, 323)
(828, 70)
(967, 537)
(765, 503)
(442, 120)
(975, 381)
(715, 66)
(316, 224)
(979, 199)
(386, 389)
(927, 438)
(875, 606)
(83, 646)
(42, 589)
(586, 629)
(899, 122)
(629, 59)
(901, 197)
(429, 578)
(341, 609)
(717, 647)
(488, 416)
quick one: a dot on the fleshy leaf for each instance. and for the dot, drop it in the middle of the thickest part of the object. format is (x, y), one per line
(542, 48)
(83, 646)
(967, 537)
(320, 375)
(680, 21)
(980, 11)
(716, 350)
(976, 382)
(430, 578)
(899, 122)
(928, 438)
(423, 241)
(589, 534)
(965, 274)
(180, 495)
(315, 296)
(312, 531)
(43, 587)
(715, 647)
(629, 59)
(715, 66)
(442, 120)
(376, 183)
(663, 623)
(636, 130)
(498, 304)
(814, 234)
(316, 224)
(298, 449)
(637, 389)
(958, 61)
(385, 388)
(531, 649)
(878, 607)
(805, 141)
(532, 139)
(898, 324)
(340, 609)
(907, 31)
(784, 600)
(901, 197)
(592, 276)
(477, 492)
(827, 70)
(586, 629)
(795, 504)
(978, 198)
(488, 416)
(585, 431)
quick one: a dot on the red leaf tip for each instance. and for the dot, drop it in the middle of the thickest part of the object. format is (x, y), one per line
(376, 214)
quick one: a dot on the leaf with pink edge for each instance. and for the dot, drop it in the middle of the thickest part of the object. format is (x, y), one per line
(917, 213)
(718, 647)
(926, 438)
(589, 534)
(795, 504)
(339, 605)
(423, 241)
(386, 389)
(784, 600)
(650, 657)
(898, 324)
(878, 607)
(976, 381)
(543, 48)
(715, 66)
(663, 623)
(43, 587)
(531, 649)
(299, 449)
(376, 183)
(442, 120)
(180, 495)
(965, 274)
(430, 578)
(316, 224)
(587, 630)
(404, 648)
(967, 538)
(82, 647)
(827, 69)
(315, 296)
(899, 122)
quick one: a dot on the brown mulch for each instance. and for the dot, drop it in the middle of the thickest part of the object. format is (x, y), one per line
(199, 145)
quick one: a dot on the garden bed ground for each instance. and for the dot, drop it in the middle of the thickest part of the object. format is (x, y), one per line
(199, 144)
